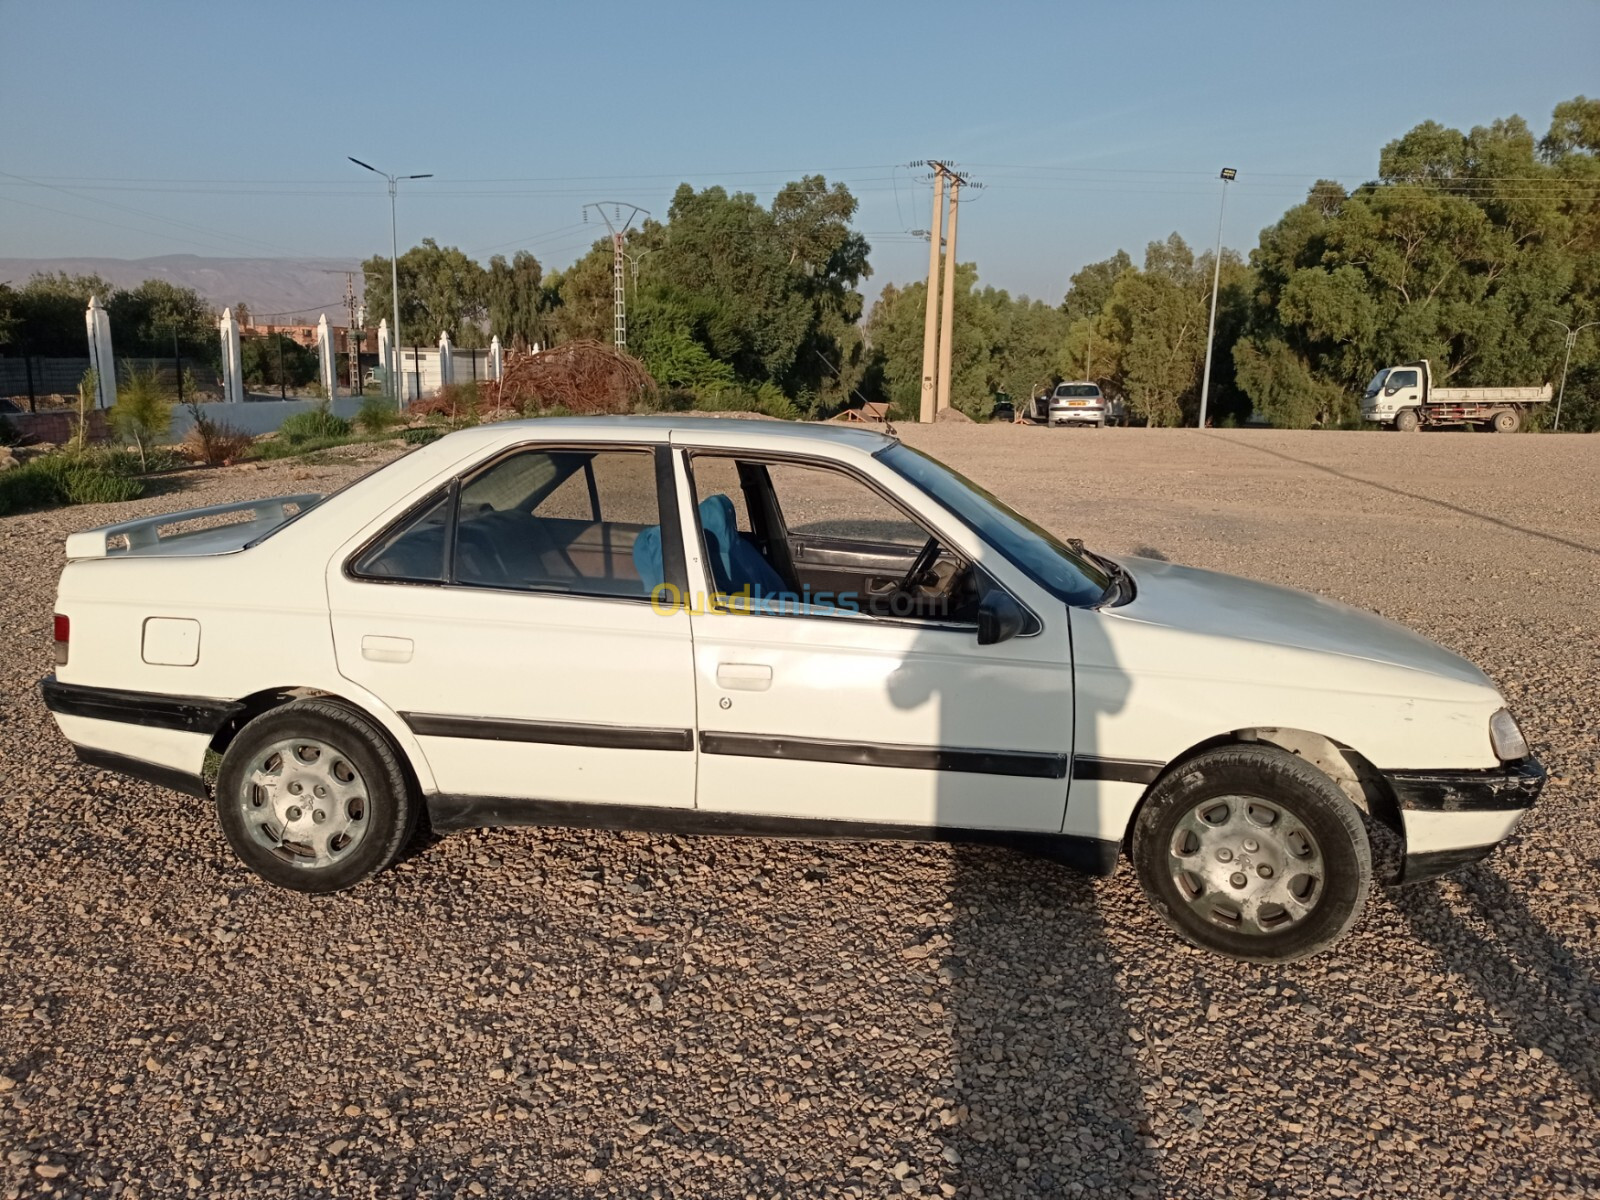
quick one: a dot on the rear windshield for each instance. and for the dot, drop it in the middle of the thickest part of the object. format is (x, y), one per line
(1078, 391)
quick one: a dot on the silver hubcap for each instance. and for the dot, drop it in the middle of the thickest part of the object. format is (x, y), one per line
(1246, 864)
(305, 802)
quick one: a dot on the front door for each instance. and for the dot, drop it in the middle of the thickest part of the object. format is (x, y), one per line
(507, 619)
(850, 685)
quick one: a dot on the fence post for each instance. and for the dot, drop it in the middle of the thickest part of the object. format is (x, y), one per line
(27, 365)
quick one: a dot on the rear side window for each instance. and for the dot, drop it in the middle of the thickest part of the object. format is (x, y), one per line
(580, 522)
(413, 552)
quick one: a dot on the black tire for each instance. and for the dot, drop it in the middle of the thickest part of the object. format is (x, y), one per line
(1406, 420)
(377, 810)
(1507, 420)
(1250, 782)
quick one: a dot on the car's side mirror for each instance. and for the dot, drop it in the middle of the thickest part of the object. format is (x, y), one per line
(1000, 618)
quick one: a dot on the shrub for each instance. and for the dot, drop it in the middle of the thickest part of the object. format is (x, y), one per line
(69, 478)
(318, 424)
(421, 435)
(8, 432)
(376, 415)
(213, 442)
(142, 414)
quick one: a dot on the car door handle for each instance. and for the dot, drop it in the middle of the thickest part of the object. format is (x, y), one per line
(744, 677)
(386, 649)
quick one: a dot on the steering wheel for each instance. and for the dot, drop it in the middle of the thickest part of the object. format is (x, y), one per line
(925, 558)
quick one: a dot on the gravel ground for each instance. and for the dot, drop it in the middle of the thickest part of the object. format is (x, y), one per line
(531, 1013)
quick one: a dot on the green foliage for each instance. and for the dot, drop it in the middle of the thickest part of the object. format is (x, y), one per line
(69, 478)
(421, 435)
(275, 361)
(377, 414)
(47, 312)
(316, 425)
(8, 432)
(516, 300)
(143, 411)
(1462, 251)
(145, 319)
(441, 289)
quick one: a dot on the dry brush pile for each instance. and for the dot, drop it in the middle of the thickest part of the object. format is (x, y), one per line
(580, 377)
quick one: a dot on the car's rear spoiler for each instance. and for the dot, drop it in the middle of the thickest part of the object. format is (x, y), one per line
(177, 533)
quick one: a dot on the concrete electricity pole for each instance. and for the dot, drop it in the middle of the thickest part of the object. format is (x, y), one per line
(947, 317)
(619, 286)
(1228, 175)
(930, 320)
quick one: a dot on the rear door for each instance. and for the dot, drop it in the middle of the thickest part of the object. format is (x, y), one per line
(508, 620)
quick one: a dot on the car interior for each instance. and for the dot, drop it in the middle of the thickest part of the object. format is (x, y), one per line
(542, 521)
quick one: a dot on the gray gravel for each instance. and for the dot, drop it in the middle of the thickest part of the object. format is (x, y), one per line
(548, 1013)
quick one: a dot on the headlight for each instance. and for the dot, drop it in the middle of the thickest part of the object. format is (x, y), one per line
(1506, 738)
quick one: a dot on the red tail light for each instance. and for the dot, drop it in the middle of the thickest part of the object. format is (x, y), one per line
(63, 635)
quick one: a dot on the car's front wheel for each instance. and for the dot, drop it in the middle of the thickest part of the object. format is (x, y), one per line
(1253, 853)
(313, 797)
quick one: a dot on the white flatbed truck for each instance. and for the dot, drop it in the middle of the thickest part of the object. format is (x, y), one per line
(1405, 398)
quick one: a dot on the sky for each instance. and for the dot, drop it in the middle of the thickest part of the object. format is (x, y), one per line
(133, 130)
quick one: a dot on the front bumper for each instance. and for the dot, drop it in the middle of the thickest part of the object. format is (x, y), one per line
(1452, 818)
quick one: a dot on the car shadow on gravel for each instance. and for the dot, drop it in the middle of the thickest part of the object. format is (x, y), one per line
(1534, 983)
(1048, 1103)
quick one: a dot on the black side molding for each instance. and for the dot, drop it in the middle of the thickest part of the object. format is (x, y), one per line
(1026, 764)
(137, 768)
(154, 710)
(1115, 770)
(1499, 789)
(550, 733)
(447, 813)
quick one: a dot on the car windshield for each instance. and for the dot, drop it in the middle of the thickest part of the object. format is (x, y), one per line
(1377, 382)
(1035, 551)
(1078, 390)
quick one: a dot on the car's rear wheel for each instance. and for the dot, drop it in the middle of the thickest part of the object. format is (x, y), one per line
(313, 797)
(1253, 853)
(1507, 420)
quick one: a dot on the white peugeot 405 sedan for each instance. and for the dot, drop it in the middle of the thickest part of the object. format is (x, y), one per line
(767, 629)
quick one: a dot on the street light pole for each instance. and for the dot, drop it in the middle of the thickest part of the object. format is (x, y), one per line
(1572, 340)
(394, 271)
(1228, 175)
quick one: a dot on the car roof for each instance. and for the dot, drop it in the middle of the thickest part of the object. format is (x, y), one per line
(686, 429)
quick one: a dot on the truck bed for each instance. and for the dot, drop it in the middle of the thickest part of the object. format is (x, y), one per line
(1488, 395)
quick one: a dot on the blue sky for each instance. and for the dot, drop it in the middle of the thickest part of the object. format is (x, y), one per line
(222, 128)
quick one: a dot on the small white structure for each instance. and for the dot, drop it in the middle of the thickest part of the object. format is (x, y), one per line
(447, 362)
(497, 359)
(101, 360)
(232, 362)
(327, 357)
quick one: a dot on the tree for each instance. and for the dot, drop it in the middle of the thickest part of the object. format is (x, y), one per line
(441, 290)
(276, 360)
(1460, 251)
(143, 412)
(515, 299)
(48, 312)
(145, 319)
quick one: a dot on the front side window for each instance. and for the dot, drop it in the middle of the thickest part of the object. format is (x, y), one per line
(790, 537)
(1036, 551)
(1402, 379)
(583, 522)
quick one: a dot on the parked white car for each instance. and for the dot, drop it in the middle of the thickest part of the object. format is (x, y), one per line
(767, 628)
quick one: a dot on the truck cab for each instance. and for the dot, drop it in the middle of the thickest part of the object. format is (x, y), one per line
(1393, 389)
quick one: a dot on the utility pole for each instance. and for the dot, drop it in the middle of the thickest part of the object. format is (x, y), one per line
(394, 269)
(947, 317)
(930, 320)
(1572, 340)
(619, 287)
(1228, 176)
